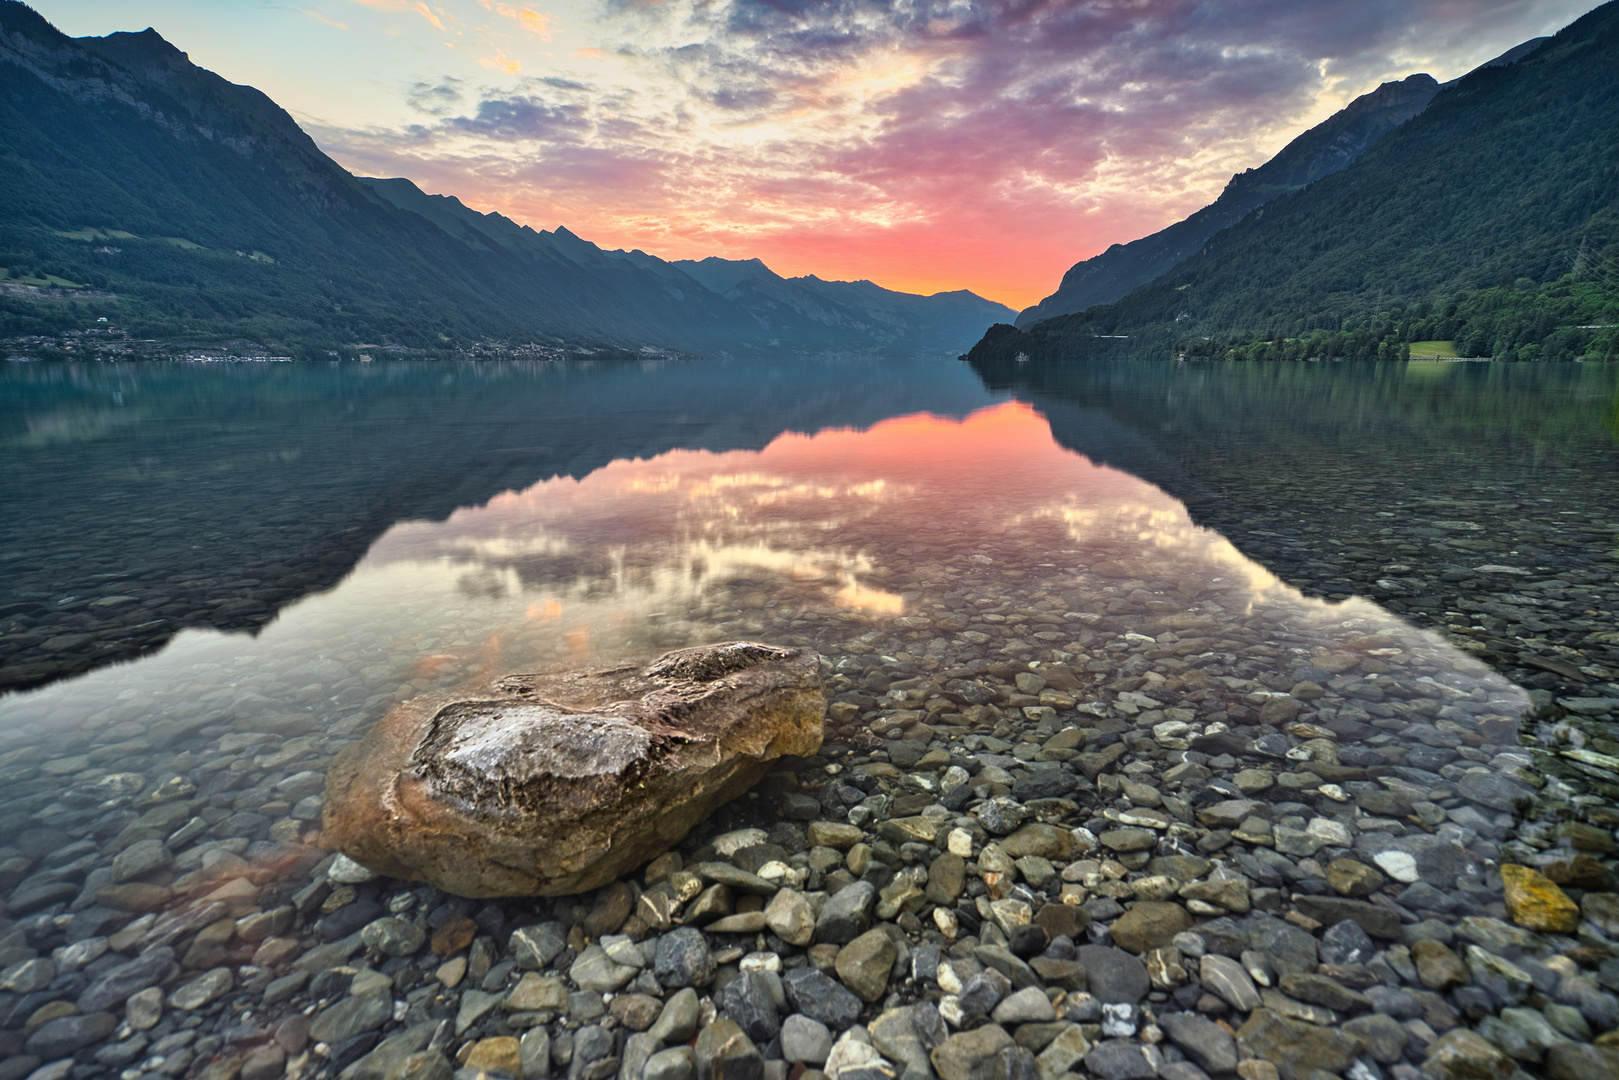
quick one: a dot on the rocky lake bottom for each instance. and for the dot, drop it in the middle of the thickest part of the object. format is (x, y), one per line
(1099, 797)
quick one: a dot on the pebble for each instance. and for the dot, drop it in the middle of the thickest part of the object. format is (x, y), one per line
(970, 1055)
(67, 1035)
(1121, 1059)
(345, 871)
(821, 998)
(394, 936)
(1227, 979)
(1206, 1042)
(1113, 975)
(674, 1063)
(1027, 1006)
(804, 1039)
(1399, 865)
(352, 1016)
(202, 990)
(864, 964)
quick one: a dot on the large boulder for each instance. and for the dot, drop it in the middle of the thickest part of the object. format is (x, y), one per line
(556, 784)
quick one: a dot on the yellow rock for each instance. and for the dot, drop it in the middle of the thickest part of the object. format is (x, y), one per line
(1535, 902)
(496, 1055)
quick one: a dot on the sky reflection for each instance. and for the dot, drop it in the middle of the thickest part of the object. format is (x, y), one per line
(815, 539)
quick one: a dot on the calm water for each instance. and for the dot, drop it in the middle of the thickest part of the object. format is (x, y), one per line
(834, 539)
(216, 577)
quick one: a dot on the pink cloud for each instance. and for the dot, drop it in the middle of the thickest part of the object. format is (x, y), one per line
(984, 145)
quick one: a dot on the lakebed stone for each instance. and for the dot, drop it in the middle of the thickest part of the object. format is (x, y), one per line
(1535, 902)
(1295, 1047)
(556, 784)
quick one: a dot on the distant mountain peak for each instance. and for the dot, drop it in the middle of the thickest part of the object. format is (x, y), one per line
(722, 275)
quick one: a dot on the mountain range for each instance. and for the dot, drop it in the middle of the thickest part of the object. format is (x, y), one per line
(1485, 222)
(136, 185)
(717, 302)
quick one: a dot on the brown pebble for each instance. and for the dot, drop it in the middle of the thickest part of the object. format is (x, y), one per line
(454, 936)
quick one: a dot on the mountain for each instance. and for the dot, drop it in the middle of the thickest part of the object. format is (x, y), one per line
(809, 306)
(672, 308)
(1324, 149)
(204, 208)
(137, 186)
(713, 302)
(1490, 221)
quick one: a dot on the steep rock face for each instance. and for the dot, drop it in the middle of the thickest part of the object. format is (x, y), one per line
(556, 784)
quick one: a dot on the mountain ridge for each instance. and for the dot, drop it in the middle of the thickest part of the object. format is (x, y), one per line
(725, 301)
(184, 206)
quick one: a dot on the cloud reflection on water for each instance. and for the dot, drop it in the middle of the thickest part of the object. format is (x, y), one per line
(815, 539)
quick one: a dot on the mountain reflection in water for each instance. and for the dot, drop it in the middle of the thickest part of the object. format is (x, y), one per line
(940, 543)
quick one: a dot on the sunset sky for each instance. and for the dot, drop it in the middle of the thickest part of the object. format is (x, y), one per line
(923, 144)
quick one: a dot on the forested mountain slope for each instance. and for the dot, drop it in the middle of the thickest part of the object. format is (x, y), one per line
(1491, 219)
(1324, 149)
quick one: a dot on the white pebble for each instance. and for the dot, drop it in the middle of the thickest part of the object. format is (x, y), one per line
(1397, 864)
(345, 871)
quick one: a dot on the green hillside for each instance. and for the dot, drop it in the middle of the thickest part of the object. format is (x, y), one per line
(1324, 149)
(1491, 219)
(206, 210)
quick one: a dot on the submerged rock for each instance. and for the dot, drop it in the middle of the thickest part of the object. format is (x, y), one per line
(1535, 902)
(555, 784)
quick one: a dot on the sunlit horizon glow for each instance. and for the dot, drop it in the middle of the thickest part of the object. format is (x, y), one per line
(926, 145)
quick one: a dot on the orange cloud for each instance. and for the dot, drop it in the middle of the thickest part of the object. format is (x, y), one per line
(501, 62)
(538, 23)
(436, 18)
(425, 12)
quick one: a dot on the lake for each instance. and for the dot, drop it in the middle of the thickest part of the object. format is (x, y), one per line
(1293, 659)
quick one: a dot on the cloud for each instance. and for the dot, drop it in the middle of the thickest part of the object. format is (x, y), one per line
(438, 17)
(537, 23)
(501, 62)
(526, 118)
(925, 143)
(318, 17)
(440, 98)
